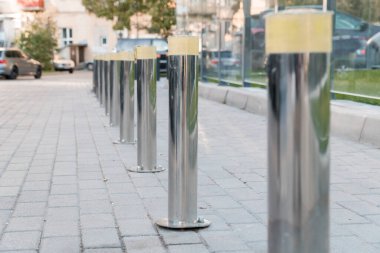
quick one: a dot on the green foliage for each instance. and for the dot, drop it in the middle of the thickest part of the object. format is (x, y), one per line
(39, 42)
(120, 11)
(163, 16)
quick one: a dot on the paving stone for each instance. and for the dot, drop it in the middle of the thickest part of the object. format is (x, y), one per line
(63, 213)
(100, 220)
(223, 240)
(25, 224)
(33, 196)
(144, 244)
(63, 200)
(104, 250)
(199, 248)
(7, 202)
(61, 228)
(182, 237)
(236, 216)
(20, 240)
(9, 191)
(60, 245)
(95, 206)
(30, 209)
(100, 238)
(136, 227)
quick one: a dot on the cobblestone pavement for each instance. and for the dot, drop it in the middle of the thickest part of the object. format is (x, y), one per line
(64, 186)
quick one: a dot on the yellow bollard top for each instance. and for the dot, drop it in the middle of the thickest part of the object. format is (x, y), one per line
(183, 45)
(145, 52)
(125, 56)
(298, 32)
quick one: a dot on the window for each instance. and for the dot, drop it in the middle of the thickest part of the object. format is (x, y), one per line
(67, 36)
(345, 22)
(103, 40)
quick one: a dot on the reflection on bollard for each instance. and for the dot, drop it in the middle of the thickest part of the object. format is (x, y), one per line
(183, 134)
(127, 100)
(115, 90)
(109, 84)
(100, 79)
(146, 110)
(105, 83)
(298, 131)
(94, 76)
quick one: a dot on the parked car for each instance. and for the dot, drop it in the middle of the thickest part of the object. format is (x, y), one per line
(350, 40)
(228, 61)
(160, 44)
(14, 62)
(61, 64)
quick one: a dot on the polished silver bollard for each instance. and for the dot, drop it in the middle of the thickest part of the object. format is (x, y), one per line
(183, 134)
(105, 83)
(298, 130)
(115, 90)
(146, 110)
(94, 76)
(110, 64)
(127, 100)
(100, 79)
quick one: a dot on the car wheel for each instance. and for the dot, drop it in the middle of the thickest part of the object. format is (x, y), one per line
(38, 73)
(90, 66)
(14, 73)
(71, 71)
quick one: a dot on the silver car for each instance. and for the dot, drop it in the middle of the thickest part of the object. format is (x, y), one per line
(14, 62)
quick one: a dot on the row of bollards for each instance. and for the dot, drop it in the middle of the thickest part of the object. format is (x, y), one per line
(114, 86)
(298, 125)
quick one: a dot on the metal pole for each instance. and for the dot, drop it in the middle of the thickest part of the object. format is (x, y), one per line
(94, 76)
(127, 98)
(100, 78)
(109, 85)
(115, 90)
(183, 134)
(298, 131)
(105, 83)
(146, 110)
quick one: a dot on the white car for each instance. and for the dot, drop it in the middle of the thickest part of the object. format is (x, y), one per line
(64, 65)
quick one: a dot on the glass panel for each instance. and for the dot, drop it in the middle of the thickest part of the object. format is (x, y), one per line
(129, 44)
(161, 45)
(357, 50)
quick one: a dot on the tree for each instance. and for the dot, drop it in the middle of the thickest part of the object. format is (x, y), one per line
(120, 11)
(39, 42)
(163, 16)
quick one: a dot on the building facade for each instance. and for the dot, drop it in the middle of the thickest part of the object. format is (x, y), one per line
(80, 35)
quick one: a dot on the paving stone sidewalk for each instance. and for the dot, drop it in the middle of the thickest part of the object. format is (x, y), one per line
(64, 185)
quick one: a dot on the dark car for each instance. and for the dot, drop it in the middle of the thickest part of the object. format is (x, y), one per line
(14, 62)
(351, 36)
(160, 44)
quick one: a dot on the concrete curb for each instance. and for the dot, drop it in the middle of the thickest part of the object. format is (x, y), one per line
(351, 120)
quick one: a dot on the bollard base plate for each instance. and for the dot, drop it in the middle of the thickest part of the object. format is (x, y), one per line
(199, 223)
(140, 169)
(125, 142)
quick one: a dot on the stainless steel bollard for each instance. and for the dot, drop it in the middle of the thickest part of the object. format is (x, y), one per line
(183, 134)
(127, 100)
(94, 76)
(100, 79)
(146, 110)
(115, 90)
(298, 131)
(105, 83)
(109, 87)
